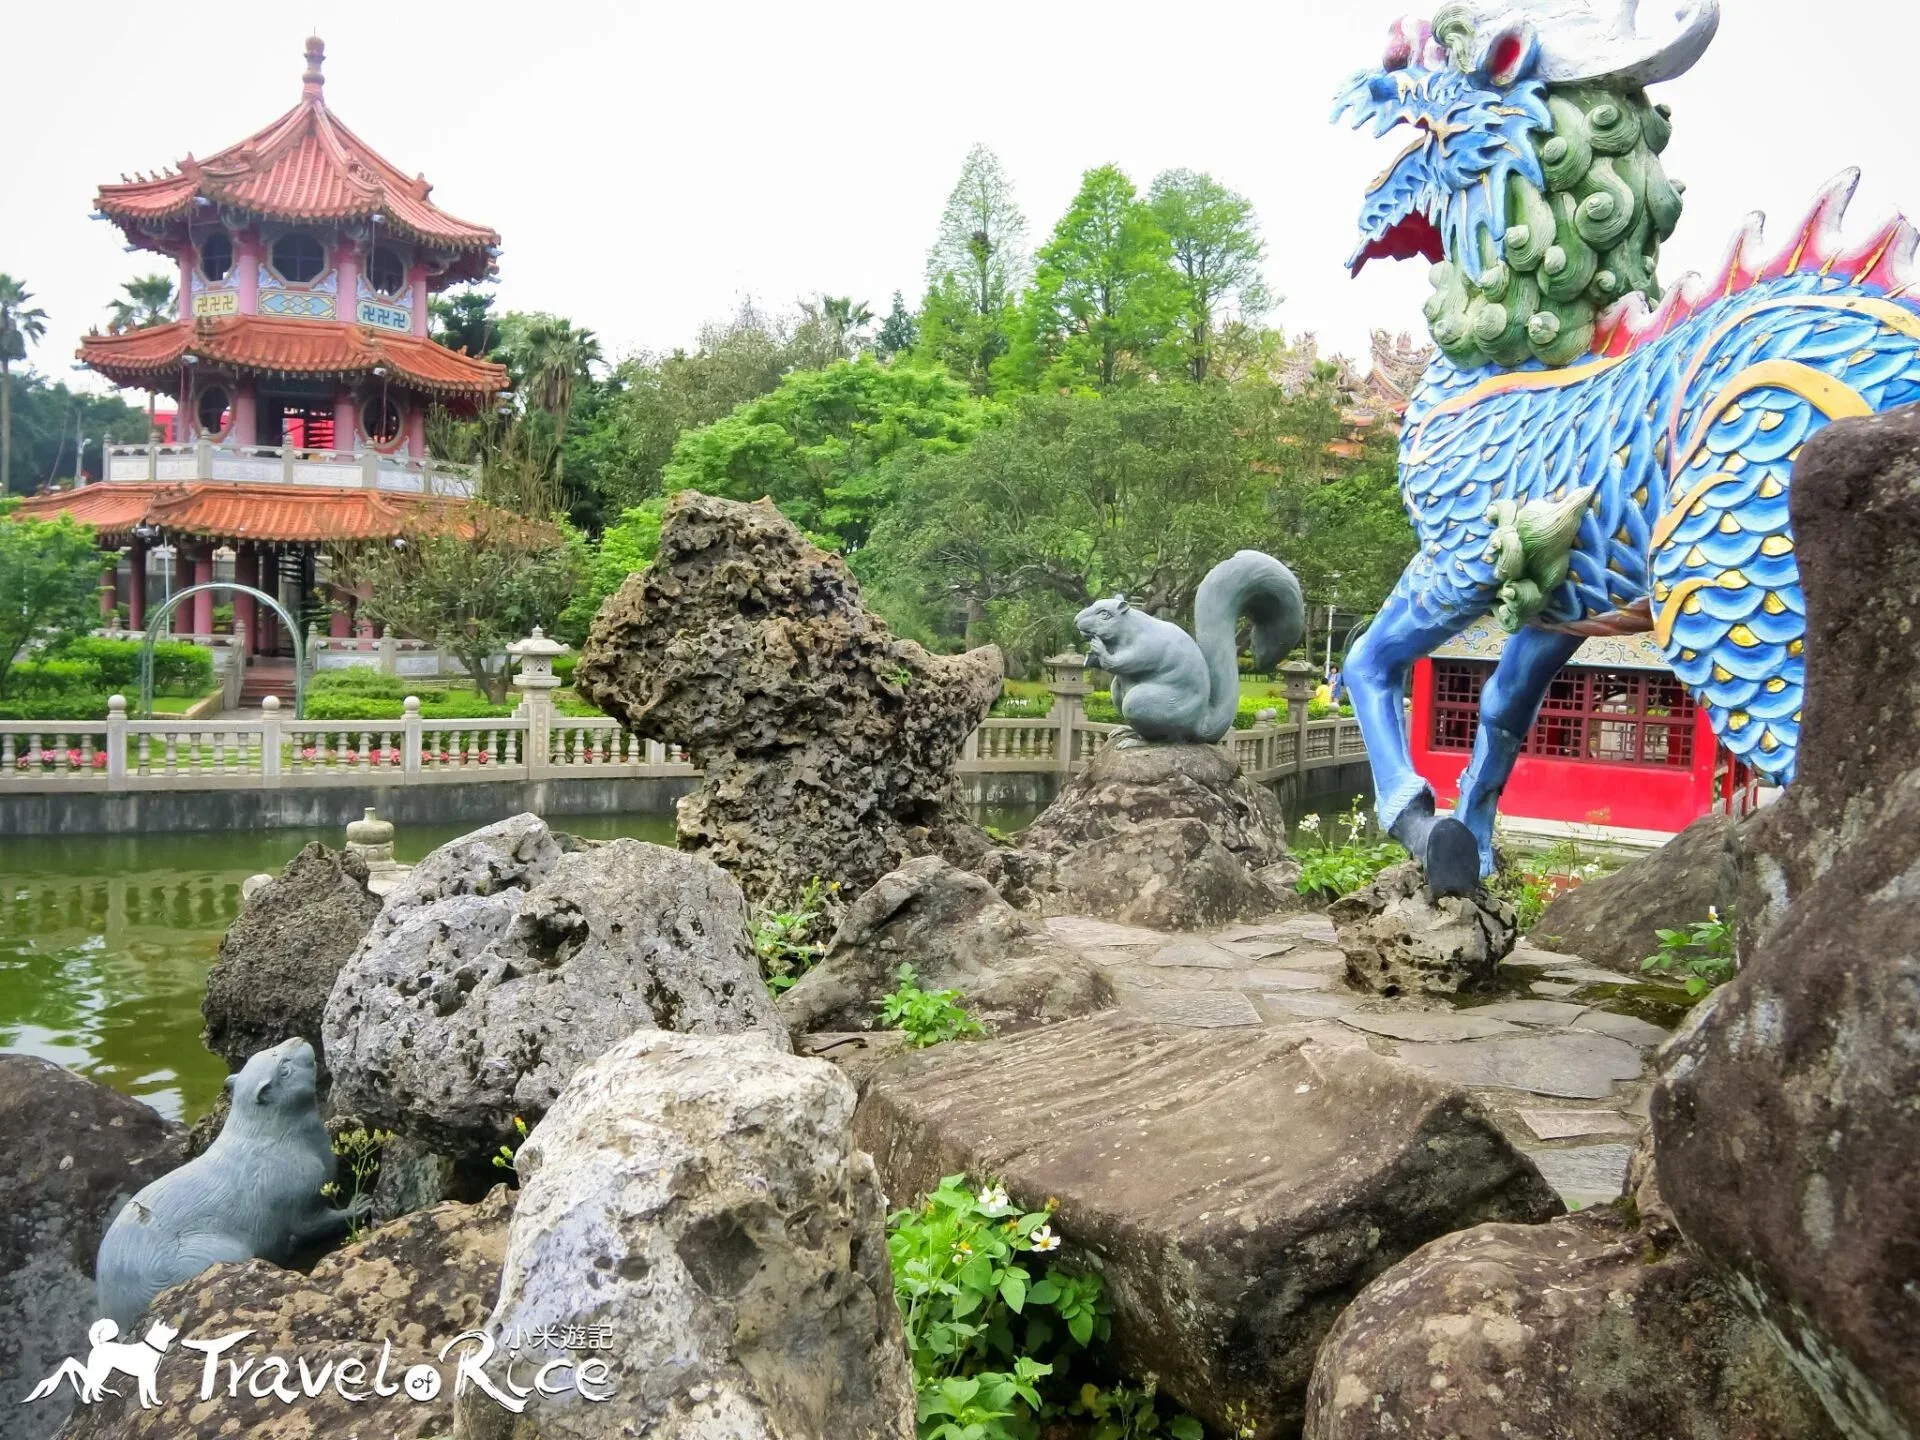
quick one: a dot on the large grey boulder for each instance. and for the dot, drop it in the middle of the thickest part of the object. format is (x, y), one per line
(1787, 1128)
(1168, 836)
(1611, 920)
(699, 1199)
(1599, 1326)
(409, 1288)
(75, 1151)
(826, 743)
(1400, 940)
(957, 933)
(1235, 1189)
(503, 963)
(278, 962)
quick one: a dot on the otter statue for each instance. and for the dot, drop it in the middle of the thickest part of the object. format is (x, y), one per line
(1178, 689)
(253, 1194)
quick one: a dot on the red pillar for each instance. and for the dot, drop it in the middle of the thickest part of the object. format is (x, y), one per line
(245, 426)
(203, 575)
(245, 568)
(137, 587)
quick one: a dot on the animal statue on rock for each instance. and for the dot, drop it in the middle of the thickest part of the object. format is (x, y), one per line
(253, 1194)
(1180, 689)
(1590, 454)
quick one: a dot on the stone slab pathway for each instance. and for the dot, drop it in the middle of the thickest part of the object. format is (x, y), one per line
(1519, 1055)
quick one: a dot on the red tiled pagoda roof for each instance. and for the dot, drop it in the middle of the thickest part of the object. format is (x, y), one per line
(304, 166)
(223, 511)
(266, 344)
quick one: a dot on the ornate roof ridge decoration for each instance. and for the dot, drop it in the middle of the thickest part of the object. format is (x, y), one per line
(271, 345)
(304, 166)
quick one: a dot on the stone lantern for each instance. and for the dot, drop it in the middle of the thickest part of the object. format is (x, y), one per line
(1067, 682)
(536, 655)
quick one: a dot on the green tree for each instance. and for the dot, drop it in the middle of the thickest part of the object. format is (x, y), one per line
(471, 589)
(820, 444)
(463, 320)
(49, 585)
(150, 300)
(974, 272)
(1105, 300)
(843, 321)
(623, 548)
(45, 416)
(898, 332)
(21, 324)
(1139, 491)
(1217, 251)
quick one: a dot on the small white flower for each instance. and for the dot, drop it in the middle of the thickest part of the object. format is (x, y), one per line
(1310, 822)
(1044, 1239)
(992, 1198)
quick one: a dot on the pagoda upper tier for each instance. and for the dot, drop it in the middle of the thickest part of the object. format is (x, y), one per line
(304, 168)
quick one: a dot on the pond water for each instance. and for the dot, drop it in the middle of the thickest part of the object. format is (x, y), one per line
(105, 942)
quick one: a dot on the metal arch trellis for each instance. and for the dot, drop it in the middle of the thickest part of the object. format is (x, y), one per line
(160, 617)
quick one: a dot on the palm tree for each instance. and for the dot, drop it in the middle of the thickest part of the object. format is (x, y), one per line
(143, 302)
(845, 320)
(21, 325)
(554, 357)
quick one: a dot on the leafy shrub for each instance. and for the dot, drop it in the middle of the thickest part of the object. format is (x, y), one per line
(58, 675)
(790, 942)
(1703, 953)
(434, 705)
(995, 1339)
(178, 668)
(564, 665)
(362, 680)
(929, 1017)
(1337, 867)
(76, 706)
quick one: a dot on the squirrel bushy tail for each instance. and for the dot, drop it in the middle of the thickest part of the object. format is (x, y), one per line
(1266, 592)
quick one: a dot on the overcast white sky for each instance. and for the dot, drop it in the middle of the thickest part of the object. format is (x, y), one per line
(647, 164)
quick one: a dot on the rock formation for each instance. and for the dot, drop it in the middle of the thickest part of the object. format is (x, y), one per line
(413, 1285)
(1788, 1140)
(1169, 836)
(75, 1151)
(503, 963)
(279, 960)
(1596, 1326)
(1400, 940)
(700, 1197)
(827, 743)
(1235, 1189)
(957, 933)
(1612, 920)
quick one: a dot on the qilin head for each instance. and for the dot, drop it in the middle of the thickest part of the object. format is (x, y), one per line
(1533, 180)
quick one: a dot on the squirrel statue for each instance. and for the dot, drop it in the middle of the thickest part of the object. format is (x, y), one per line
(254, 1193)
(1179, 689)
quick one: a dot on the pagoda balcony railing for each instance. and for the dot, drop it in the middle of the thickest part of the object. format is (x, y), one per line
(291, 465)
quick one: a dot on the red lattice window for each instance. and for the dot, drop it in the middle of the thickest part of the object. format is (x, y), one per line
(1623, 717)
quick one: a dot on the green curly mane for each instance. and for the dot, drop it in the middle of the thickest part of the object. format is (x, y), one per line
(1591, 238)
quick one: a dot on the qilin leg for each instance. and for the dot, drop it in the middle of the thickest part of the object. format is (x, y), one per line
(1376, 676)
(1509, 704)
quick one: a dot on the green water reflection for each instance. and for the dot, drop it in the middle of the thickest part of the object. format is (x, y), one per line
(105, 943)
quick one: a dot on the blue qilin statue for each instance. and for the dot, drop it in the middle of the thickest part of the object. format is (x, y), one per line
(1589, 454)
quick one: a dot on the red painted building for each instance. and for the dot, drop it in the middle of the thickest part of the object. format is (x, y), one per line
(301, 366)
(1619, 742)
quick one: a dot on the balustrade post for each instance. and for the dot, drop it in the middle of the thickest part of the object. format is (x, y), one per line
(270, 742)
(1297, 680)
(1067, 683)
(370, 469)
(410, 739)
(116, 742)
(203, 458)
(389, 652)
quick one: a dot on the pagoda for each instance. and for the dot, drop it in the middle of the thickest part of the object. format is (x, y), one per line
(301, 364)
